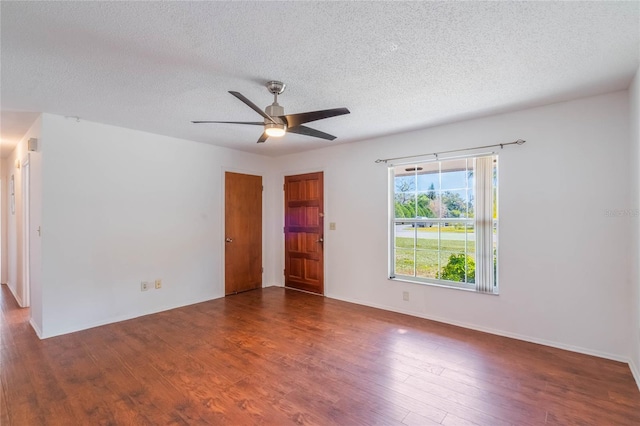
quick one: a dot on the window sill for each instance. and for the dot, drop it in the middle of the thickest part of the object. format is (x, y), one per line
(441, 285)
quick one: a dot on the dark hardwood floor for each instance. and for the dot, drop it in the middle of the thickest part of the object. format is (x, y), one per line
(280, 357)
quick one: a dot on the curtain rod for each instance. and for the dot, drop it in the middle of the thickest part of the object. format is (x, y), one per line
(501, 145)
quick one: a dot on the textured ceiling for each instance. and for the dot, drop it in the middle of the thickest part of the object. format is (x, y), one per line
(154, 66)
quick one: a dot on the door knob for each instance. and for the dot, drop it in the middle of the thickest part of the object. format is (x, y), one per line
(229, 240)
(321, 240)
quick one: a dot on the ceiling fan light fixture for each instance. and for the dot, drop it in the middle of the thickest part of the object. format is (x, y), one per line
(275, 130)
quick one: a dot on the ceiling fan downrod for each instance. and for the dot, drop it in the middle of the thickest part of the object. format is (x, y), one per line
(278, 127)
(275, 87)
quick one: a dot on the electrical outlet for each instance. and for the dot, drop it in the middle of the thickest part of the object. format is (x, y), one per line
(405, 296)
(332, 226)
(158, 283)
(144, 286)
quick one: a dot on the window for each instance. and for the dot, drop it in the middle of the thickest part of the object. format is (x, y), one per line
(444, 222)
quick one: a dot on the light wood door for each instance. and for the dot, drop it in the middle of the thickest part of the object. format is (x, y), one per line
(243, 232)
(303, 232)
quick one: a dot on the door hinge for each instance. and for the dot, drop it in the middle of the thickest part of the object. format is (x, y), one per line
(284, 229)
(284, 272)
(262, 187)
(262, 269)
(284, 187)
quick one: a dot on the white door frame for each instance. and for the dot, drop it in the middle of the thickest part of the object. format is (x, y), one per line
(26, 233)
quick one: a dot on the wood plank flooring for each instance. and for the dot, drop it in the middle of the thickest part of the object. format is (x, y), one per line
(278, 357)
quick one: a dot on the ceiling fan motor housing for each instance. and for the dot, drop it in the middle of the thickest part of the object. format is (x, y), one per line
(274, 111)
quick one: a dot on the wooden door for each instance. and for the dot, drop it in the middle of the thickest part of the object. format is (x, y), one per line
(304, 232)
(243, 232)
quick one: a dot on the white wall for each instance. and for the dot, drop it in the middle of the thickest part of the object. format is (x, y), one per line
(34, 169)
(634, 114)
(564, 266)
(3, 221)
(14, 222)
(12, 241)
(123, 206)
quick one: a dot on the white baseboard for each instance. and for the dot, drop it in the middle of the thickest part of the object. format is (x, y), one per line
(496, 332)
(275, 285)
(635, 372)
(36, 328)
(111, 320)
(15, 296)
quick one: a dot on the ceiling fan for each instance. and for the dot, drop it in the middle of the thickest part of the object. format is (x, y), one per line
(277, 124)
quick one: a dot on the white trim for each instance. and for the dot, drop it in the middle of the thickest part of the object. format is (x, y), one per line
(25, 195)
(15, 296)
(635, 372)
(113, 320)
(391, 212)
(35, 328)
(493, 331)
(279, 285)
(440, 283)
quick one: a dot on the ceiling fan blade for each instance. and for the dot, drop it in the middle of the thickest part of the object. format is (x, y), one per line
(263, 138)
(256, 123)
(252, 105)
(308, 131)
(294, 120)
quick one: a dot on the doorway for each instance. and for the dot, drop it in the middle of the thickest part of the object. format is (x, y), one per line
(304, 232)
(243, 233)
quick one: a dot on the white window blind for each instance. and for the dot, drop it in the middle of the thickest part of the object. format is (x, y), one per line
(484, 224)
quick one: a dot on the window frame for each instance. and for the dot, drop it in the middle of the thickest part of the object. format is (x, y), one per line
(393, 222)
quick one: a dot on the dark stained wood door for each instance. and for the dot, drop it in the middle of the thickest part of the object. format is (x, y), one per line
(304, 232)
(243, 232)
